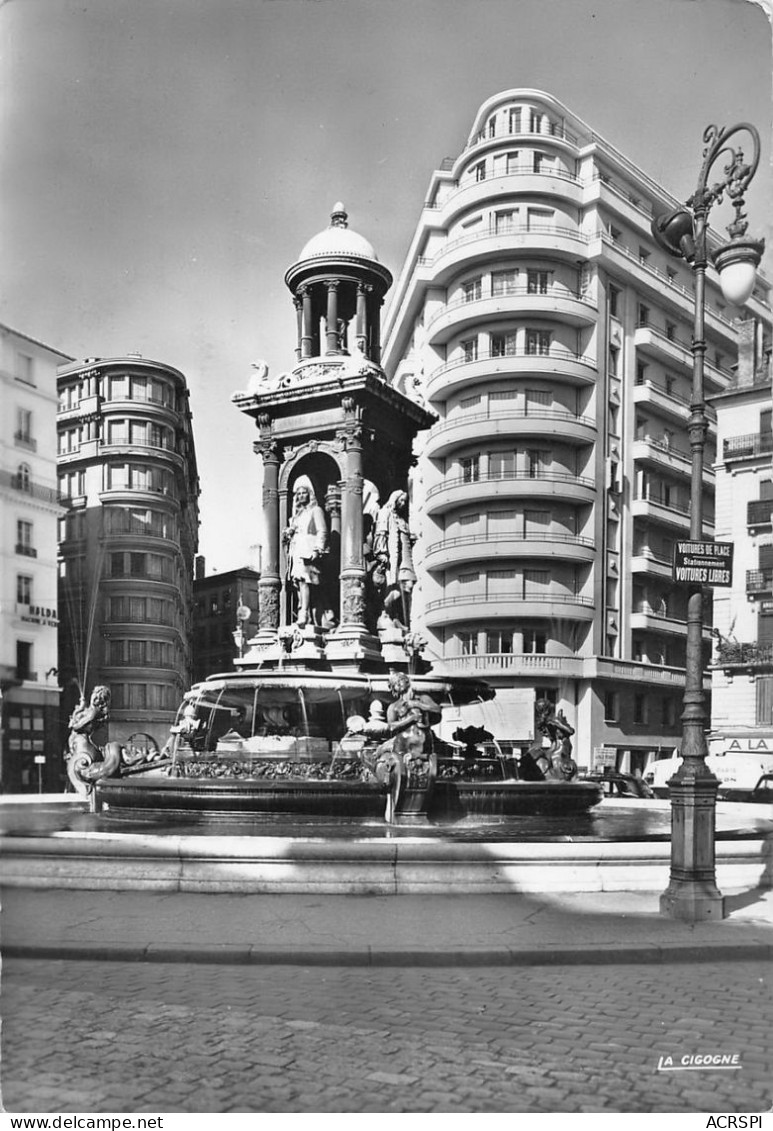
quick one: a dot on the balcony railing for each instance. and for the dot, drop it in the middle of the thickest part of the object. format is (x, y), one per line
(27, 487)
(521, 536)
(513, 595)
(512, 476)
(759, 512)
(554, 353)
(759, 580)
(506, 230)
(731, 653)
(24, 440)
(528, 412)
(748, 446)
(26, 550)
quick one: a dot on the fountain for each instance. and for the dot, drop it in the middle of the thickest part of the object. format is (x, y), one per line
(331, 708)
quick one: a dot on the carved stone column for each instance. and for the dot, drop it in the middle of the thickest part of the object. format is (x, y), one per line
(270, 583)
(307, 335)
(332, 316)
(298, 304)
(361, 325)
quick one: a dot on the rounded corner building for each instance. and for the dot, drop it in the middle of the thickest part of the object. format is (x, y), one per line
(536, 315)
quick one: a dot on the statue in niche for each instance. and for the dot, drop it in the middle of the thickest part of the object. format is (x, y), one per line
(306, 541)
(393, 553)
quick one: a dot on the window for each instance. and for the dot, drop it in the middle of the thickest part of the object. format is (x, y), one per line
(535, 122)
(472, 290)
(23, 433)
(643, 315)
(671, 274)
(118, 432)
(469, 402)
(24, 369)
(639, 709)
(641, 372)
(468, 519)
(540, 219)
(669, 711)
(470, 466)
(504, 221)
(614, 233)
(118, 388)
(538, 342)
(500, 641)
(501, 465)
(468, 578)
(503, 345)
(22, 482)
(538, 398)
(514, 120)
(614, 301)
(535, 582)
(479, 171)
(671, 331)
(492, 126)
(24, 538)
(541, 162)
(503, 395)
(470, 349)
(503, 282)
(534, 642)
(537, 282)
(23, 660)
(764, 686)
(23, 589)
(536, 521)
(512, 161)
(539, 460)
(643, 254)
(611, 707)
(468, 643)
(669, 385)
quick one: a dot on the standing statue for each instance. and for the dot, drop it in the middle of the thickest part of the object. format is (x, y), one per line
(306, 542)
(393, 550)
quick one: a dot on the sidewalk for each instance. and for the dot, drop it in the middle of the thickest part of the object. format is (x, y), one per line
(336, 930)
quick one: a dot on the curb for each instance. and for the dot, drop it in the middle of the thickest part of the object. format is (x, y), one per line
(242, 955)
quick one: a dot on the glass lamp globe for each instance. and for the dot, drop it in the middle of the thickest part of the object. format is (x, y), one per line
(737, 264)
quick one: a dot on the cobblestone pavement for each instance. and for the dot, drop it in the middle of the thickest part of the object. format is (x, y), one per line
(137, 1037)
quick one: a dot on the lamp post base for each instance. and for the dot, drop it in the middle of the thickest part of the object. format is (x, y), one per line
(692, 901)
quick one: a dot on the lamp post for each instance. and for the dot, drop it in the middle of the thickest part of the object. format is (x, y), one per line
(692, 893)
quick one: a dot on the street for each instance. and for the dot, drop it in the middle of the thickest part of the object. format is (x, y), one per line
(85, 1036)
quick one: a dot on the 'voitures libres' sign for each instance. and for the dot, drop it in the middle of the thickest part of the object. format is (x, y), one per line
(704, 563)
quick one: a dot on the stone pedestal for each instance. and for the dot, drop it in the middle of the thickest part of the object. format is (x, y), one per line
(692, 893)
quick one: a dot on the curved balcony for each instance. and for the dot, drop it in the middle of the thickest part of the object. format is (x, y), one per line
(560, 424)
(678, 353)
(559, 365)
(526, 664)
(147, 453)
(556, 302)
(135, 495)
(645, 561)
(647, 619)
(545, 240)
(663, 456)
(138, 409)
(510, 187)
(506, 606)
(666, 404)
(676, 517)
(480, 547)
(458, 491)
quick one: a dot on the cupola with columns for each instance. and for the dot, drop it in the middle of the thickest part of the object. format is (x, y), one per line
(338, 287)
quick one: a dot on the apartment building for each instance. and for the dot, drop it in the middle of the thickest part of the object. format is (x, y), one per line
(536, 315)
(30, 508)
(224, 604)
(127, 468)
(742, 677)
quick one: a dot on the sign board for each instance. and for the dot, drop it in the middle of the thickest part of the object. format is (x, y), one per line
(40, 759)
(603, 757)
(703, 563)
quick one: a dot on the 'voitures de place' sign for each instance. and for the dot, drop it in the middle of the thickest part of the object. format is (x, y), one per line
(704, 563)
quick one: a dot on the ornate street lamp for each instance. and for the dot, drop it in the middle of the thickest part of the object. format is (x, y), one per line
(692, 893)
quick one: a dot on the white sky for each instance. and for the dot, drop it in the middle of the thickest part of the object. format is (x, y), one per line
(162, 162)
